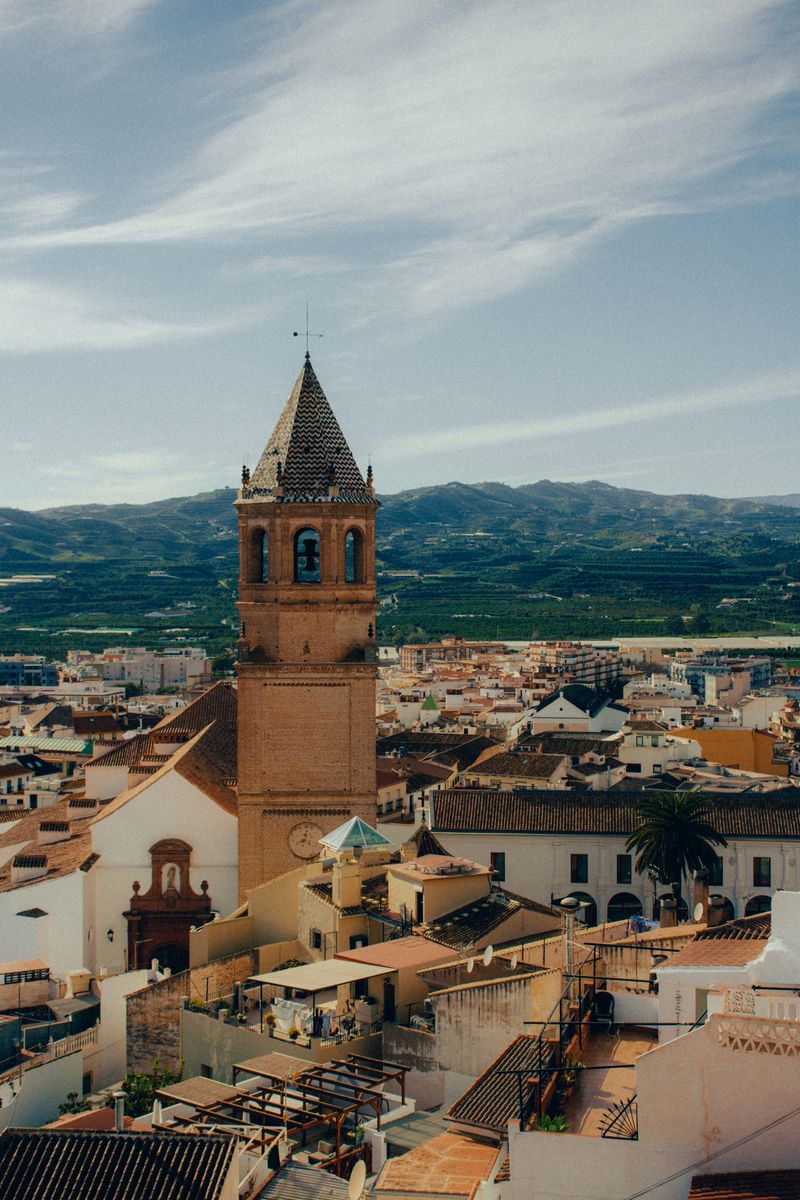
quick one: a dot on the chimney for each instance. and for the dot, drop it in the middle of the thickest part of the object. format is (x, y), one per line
(119, 1112)
(28, 866)
(346, 889)
(700, 897)
(80, 808)
(53, 831)
(716, 911)
(669, 912)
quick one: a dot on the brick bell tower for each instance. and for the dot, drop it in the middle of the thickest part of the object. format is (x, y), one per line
(307, 649)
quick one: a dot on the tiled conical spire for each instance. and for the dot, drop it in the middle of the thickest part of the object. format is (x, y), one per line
(307, 449)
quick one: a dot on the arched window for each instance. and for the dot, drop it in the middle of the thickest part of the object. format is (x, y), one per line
(259, 556)
(354, 556)
(306, 556)
(757, 904)
(623, 906)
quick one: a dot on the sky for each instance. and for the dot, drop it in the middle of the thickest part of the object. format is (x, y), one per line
(540, 238)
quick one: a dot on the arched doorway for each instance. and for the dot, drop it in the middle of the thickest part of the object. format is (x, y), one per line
(726, 905)
(588, 914)
(623, 906)
(172, 956)
(758, 904)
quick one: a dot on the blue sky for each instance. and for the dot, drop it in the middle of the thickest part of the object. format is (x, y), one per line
(542, 238)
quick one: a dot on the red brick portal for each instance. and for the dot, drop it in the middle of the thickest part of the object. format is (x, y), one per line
(159, 919)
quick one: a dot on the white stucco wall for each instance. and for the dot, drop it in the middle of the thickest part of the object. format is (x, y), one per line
(538, 866)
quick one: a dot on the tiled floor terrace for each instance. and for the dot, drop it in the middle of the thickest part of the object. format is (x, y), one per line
(597, 1090)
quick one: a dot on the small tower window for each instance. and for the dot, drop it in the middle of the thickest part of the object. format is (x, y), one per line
(354, 557)
(306, 556)
(259, 556)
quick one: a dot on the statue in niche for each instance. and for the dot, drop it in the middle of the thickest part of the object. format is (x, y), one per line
(172, 879)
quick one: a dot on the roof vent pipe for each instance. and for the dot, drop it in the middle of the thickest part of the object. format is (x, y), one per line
(119, 1112)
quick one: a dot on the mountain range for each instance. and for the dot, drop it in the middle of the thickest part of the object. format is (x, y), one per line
(196, 528)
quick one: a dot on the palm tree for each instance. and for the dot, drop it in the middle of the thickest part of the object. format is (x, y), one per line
(675, 837)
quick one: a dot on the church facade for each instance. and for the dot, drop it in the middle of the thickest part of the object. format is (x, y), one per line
(307, 649)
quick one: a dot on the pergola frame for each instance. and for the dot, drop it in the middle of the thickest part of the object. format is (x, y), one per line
(295, 1104)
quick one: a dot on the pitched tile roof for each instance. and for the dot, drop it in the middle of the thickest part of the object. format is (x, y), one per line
(422, 842)
(296, 1182)
(217, 703)
(747, 1185)
(715, 954)
(519, 764)
(483, 810)
(465, 926)
(757, 927)
(494, 1098)
(572, 744)
(306, 443)
(585, 698)
(55, 1164)
(60, 858)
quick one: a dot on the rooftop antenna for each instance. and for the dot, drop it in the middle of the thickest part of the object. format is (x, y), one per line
(488, 955)
(308, 335)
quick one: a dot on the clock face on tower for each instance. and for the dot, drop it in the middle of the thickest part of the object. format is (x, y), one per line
(304, 839)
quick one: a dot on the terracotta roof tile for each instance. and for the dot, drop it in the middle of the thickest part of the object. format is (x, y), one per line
(55, 1164)
(494, 1098)
(483, 810)
(305, 444)
(747, 1185)
(519, 765)
(449, 1164)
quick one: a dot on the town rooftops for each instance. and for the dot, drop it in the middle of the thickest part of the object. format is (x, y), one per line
(54, 1164)
(519, 764)
(758, 927)
(422, 842)
(483, 810)
(585, 698)
(355, 834)
(307, 453)
(85, 724)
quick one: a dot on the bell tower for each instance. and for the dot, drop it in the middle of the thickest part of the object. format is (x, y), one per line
(307, 649)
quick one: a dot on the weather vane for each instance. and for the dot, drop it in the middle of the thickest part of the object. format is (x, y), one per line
(308, 335)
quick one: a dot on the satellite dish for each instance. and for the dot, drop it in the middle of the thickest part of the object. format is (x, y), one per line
(514, 961)
(358, 1179)
(488, 955)
(470, 965)
(698, 912)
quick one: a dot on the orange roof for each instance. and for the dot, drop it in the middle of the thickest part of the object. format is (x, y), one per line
(747, 1185)
(28, 964)
(450, 1164)
(715, 952)
(400, 952)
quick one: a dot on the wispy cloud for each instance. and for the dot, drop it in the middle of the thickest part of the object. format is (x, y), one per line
(123, 477)
(778, 388)
(462, 150)
(38, 316)
(77, 17)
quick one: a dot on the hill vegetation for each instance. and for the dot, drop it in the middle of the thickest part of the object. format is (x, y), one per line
(546, 559)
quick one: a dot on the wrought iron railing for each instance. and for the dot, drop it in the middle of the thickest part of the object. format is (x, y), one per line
(621, 1120)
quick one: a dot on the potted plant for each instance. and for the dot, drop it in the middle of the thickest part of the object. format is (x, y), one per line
(556, 1124)
(270, 1020)
(294, 1034)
